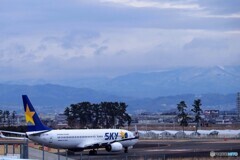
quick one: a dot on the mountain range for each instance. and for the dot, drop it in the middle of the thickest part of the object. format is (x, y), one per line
(154, 91)
(223, 80)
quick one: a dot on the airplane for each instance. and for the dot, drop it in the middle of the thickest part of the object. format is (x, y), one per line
(75, 140)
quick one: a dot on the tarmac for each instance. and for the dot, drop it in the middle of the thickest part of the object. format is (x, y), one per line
(171, 149)
(155, 149)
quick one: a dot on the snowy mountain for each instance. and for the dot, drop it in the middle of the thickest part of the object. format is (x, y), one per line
(177, 81)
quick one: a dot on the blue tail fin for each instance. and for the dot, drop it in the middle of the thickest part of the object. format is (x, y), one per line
(32, 119)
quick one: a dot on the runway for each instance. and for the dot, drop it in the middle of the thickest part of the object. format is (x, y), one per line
(165, 149)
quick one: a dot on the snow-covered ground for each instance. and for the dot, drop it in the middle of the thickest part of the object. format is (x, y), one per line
(190, 134)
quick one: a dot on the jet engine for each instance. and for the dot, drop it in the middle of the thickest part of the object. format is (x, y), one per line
(114, 147)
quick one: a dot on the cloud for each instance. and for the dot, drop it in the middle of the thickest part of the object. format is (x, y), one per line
(43, 17)
(74, 39)
(155, 4)
(206, 44)
(12, 52)
(220, 7)
(120, 51)
(111, 37)
(235, 15)
(100, 50)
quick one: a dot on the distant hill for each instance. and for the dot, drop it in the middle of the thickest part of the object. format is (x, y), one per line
(154, 91)
(166, 103)
(54, 98)
(49, 95)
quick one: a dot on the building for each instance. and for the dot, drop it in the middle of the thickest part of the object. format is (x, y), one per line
(61, 121)
(211, 114)
(148, 121)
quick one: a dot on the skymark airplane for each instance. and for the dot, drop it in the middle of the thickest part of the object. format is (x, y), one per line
(113, 140)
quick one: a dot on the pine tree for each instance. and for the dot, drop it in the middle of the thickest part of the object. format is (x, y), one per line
(182, 115)
(197, 111)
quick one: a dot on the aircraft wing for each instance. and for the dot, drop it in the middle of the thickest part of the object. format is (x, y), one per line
(125, 139)
(99, 144)
(90, 144)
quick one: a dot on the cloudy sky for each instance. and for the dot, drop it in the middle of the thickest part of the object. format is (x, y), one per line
(64, 39)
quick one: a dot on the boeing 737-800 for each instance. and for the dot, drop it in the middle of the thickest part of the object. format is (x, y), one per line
(113, 140)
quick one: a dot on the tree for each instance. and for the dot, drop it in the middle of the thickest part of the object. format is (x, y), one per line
(96, 116)
(7, 113)
(103, 115)
(197, 111)
(123, 116)
(1, 116)
(4, 117)
(67, 114)
(67, 111)
(182, 115)
(13, 117)
(85, 114)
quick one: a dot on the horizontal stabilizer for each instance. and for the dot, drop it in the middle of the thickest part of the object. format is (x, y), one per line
(11, 132)
(16, 138)
(35, 133)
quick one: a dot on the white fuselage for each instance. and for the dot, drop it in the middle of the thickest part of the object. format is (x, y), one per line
(83, 138)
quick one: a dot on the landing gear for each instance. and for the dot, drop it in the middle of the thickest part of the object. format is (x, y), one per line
(69, 152)
(93, 152)
(126, 150)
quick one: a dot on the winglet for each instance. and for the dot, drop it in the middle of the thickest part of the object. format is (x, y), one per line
(1, 135)
(32, 119)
